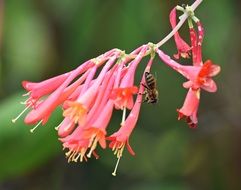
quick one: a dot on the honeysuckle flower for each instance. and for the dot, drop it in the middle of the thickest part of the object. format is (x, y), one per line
(89, 94)
(183, 49)
(199, 76)
(196, 41)
(76, 145)
(120, 139)
(42, 109)
(97, 131)
(38, 90)
(45, 96)
(190, 108)
(123, 95)
(85, 138)
(78, 109)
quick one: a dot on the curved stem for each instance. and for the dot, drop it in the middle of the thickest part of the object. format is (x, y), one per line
(183, 18)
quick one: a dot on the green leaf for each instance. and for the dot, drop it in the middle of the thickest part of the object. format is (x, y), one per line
(22, 151)
(26, 41)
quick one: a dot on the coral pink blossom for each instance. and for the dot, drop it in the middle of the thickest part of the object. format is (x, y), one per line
(123, 95)
(198, 76)
(89, 94)
(190, 108)
(87, 137)
(44, 109)
(182, 47)
(77, 110)
(121, 138)
(196, 41)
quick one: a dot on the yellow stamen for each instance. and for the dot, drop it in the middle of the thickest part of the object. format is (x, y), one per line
(93, 147)
(25, 102)
(82, 152)
(26, 94)
(32, 130)
(68, 153)
(91, 140)
(57, 128)
(123, 116)
(77, 157)
(71, 155)
(75, 112)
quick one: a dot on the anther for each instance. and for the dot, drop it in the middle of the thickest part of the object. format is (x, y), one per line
(116, 166)
(77, 157)
(57, 128)
(25, 102)
(32, 130)
(26, 94)
(15, 119)
(92, 147)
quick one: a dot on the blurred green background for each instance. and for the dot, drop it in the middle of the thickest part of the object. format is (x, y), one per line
(43, 38)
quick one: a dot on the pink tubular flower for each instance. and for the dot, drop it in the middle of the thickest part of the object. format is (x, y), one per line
(196, 41)
(87, 137)
(77, 110)
(100, 101)
(190, 108)
(45, 96)
(93, 131)
(182, 47)
(199, 76)
(120, 139)
(42, 108)
(89, 94)
(123, 94)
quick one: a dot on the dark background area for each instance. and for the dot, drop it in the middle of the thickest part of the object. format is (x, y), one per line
(44, 38)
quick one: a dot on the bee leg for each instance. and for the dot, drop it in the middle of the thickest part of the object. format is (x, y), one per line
(146, 100)
(145, 86)
(142, 93)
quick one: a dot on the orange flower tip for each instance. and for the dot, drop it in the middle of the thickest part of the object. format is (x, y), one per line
(22, 112)
(36, 126)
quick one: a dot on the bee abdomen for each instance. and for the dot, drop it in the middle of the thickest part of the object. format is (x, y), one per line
(150, 80)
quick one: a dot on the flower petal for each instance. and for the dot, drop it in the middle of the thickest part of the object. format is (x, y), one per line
(209, 85)
(182, 47)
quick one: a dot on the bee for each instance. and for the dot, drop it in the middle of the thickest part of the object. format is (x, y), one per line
(151, 92)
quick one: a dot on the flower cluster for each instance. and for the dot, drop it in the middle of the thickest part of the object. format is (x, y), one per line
(90, 93)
